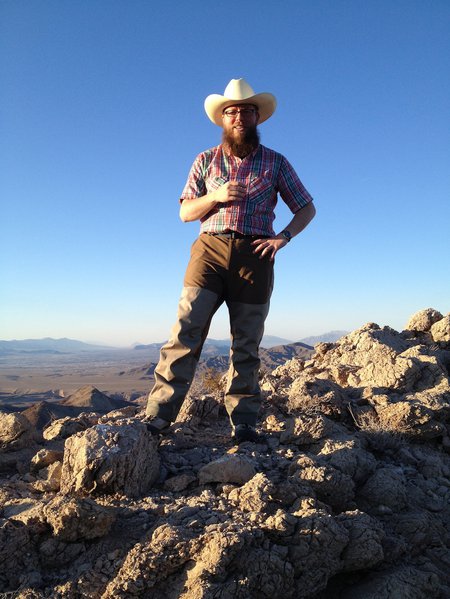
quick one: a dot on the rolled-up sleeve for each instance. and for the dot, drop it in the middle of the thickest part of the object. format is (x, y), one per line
(291, 189)
(195, 184)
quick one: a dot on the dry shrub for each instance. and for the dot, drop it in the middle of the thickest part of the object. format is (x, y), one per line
(379, 436)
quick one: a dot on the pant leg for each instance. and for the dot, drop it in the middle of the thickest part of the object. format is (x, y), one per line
(180, 355)
(248, 297)
(201, 296)
(242, 396)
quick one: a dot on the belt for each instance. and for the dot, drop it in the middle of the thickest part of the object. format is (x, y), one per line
(236, 235)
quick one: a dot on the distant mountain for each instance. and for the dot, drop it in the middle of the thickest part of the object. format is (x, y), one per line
(329, 337)
(90, 397)
(270, 359)
(214, 347)
(46, 346)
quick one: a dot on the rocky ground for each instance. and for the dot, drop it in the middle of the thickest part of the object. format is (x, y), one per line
(348, 496)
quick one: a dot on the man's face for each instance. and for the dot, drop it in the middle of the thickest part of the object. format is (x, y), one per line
(238, 120)
(239, 128)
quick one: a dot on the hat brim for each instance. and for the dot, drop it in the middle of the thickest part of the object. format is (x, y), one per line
(215, 105)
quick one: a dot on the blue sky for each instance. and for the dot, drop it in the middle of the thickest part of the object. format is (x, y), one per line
(101, 116)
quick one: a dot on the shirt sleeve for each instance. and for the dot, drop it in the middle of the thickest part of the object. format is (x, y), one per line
(291, 189)
(195, 185)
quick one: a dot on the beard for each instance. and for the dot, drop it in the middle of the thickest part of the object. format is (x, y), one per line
(244, 144)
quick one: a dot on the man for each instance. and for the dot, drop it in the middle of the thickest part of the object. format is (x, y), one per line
(232, 189)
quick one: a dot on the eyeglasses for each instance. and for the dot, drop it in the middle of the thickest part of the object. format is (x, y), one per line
(233, 112)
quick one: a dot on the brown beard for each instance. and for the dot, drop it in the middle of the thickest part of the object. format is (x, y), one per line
(242, 148)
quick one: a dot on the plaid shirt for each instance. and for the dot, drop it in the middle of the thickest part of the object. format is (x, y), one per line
(265, 174)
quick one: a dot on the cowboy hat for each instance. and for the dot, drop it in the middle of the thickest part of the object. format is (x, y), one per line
(238, 91)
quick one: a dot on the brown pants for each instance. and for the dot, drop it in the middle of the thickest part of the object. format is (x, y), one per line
(220, 270)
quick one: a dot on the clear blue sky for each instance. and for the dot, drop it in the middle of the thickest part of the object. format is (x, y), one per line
(102, 115)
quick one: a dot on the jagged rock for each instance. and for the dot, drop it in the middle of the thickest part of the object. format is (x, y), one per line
(150, 563)
(330, 485)
(178, 483)
(255, 495)
(74, 519)
(199, 409)
(315, 551)
(18, 559)
(365, 548)
(229, 469)
(348, 456)
(423, 320)
(15, 432)
(403, 582)
(50, 478)
(107, 458)
(386, 488)
(440, 331)
(55, 553)
(305, 430)
(68, 426)
(410, 418)
(45, 457)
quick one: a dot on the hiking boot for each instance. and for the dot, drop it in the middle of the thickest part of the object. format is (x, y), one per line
(155, 425)
(245, 432)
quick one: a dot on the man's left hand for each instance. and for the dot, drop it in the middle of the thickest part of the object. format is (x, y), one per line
(268, 247)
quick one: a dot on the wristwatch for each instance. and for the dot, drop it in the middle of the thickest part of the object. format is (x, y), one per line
(287, 235)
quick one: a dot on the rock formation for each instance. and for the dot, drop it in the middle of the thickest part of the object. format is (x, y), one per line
(347, 497)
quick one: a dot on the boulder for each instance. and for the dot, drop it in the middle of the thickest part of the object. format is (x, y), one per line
(423, 320)
(68, 426)
(255, 495)
(44, 458)
(228, 469)
(440, 331)
(304, 430)
(15, 432)
(75, 519)
(120, 457)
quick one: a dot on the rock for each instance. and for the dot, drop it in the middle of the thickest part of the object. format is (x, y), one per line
(16, 555)
(15, 432)
(74, 519)
(55, 553)
(402, 582)
(28, 512)
(347, 455)
(178, 483)
(44, 458)
(440, 331)
(228, 469)
(423, 320)
(315, 552)
(107, 458)
(365, 548)
(305, 430)
(202, 409)
(331, 486)
(255, 495)
(51, 478)
(68, 426)
(386, 487)
(410, 418)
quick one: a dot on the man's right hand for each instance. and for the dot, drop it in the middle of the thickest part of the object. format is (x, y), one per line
(231, 191)
(195, 209)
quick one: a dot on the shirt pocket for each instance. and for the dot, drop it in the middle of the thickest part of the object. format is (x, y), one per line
(259, 190)
(214, 183)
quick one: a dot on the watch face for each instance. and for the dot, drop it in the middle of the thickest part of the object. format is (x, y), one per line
(287, 235)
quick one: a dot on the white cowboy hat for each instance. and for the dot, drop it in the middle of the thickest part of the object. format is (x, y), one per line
(238, 91)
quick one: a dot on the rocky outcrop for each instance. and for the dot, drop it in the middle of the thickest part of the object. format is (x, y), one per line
(347, 497)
